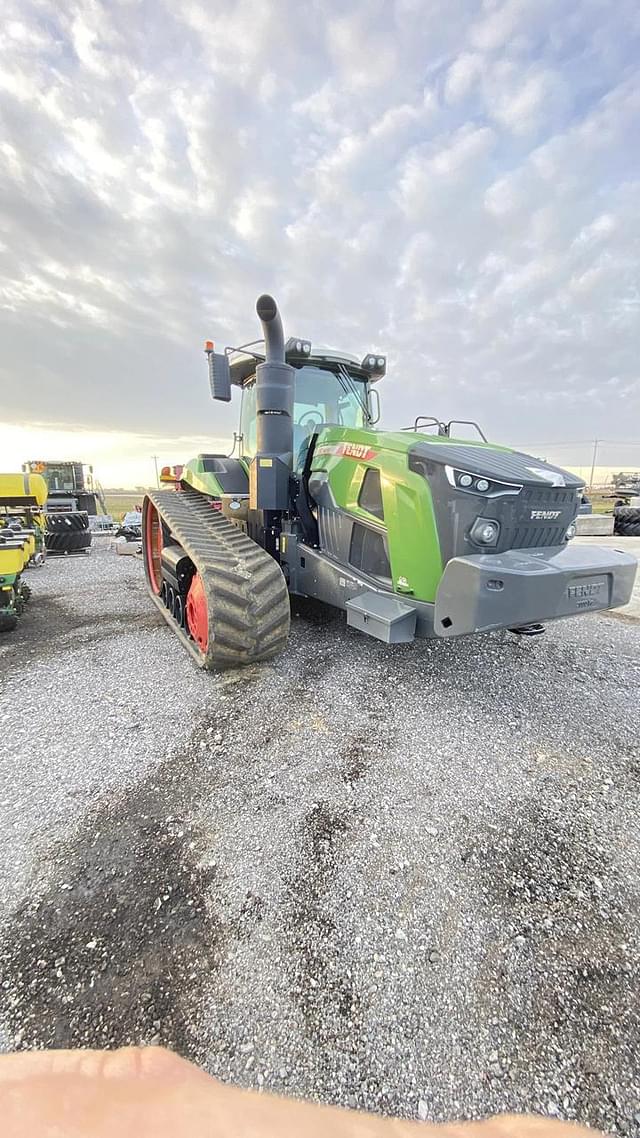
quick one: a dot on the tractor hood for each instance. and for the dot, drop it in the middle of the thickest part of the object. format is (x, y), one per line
(488, 460)
(532, 502)
(499, 464)
(485, 460)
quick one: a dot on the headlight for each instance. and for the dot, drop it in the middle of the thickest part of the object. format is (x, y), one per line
(571, 532)
(485, 531)
(477, 484)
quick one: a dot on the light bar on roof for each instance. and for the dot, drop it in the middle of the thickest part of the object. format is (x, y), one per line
(374, 364)
(296, 349)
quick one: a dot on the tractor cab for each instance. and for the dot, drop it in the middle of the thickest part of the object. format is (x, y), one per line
(330, 389)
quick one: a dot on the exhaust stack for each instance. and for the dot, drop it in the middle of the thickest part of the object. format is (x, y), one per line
(270, 469)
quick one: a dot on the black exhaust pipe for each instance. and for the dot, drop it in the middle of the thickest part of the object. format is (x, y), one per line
(270, 469)
(272, 329)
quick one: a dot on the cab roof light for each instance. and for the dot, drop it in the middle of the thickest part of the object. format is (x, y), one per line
(374, 364)
(295, 348)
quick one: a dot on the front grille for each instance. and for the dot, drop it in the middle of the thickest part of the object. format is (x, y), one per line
(533, 536)
(521, 532)
(456, 511)
(538, 498)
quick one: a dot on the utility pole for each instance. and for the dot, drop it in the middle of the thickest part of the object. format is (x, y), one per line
(593, 464)
(155, 463)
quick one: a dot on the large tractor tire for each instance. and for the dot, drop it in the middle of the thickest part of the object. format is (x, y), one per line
(66, 522)
(627, 521)
(73, 541)
(67, 532)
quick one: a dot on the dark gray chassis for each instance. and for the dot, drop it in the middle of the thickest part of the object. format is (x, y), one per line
(483, 592)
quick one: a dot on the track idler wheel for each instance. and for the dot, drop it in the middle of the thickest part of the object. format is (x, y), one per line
(198, 613)
(152, 542)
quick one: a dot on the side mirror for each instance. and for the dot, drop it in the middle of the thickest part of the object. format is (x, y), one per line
(219, 373)
(374, 406)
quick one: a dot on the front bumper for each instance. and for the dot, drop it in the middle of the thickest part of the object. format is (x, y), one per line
(523, 586)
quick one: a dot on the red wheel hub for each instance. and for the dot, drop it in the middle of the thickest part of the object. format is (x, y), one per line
(198, 613)
(153, 546)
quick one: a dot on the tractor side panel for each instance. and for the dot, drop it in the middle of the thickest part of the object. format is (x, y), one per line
(216, 474)
(390, 533)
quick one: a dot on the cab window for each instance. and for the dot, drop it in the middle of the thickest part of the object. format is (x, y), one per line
(321, 398)
(248, 419)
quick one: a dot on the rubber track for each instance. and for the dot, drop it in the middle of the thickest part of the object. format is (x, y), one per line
(247, 597)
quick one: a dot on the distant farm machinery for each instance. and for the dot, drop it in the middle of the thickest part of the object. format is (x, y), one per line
(626, 491)
(73, 497)
(22, 540)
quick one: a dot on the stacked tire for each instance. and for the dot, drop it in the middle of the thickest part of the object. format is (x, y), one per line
(627, 521)
(68, 532)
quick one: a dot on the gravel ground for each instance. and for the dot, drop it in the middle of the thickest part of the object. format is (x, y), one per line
(400, 879)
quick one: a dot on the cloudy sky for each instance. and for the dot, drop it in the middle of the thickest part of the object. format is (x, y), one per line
(453, 182)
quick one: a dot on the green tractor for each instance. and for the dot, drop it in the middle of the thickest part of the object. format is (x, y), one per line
(412, 534)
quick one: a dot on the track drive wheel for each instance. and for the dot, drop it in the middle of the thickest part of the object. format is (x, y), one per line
(198, 613)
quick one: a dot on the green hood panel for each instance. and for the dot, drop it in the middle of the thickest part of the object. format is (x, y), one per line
(400, 442)
(409, 523)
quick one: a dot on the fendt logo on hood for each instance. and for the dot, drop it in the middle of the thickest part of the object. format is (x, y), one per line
(545, 515)
(347, 450)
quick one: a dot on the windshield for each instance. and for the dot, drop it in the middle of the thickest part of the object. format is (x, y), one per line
(322, 397)
(59, 477)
